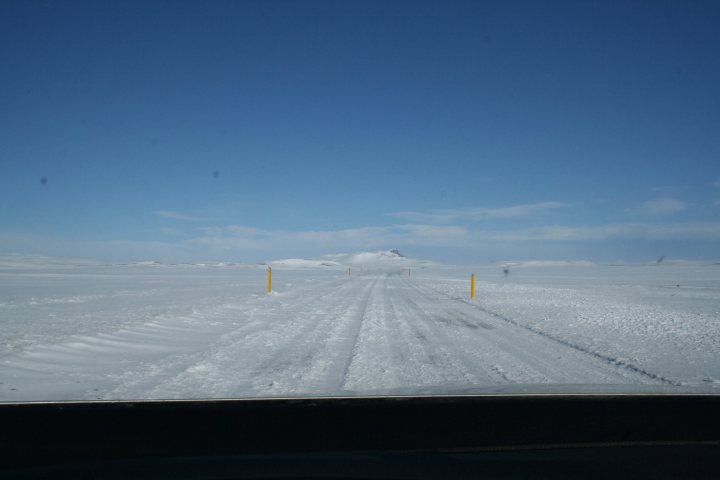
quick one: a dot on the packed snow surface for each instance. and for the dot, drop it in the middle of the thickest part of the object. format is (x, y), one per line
(79, 330)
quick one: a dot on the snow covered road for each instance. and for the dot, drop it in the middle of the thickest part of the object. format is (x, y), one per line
(373, 333)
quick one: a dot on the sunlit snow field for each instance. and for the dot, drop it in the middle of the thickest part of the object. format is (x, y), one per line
(91, 331)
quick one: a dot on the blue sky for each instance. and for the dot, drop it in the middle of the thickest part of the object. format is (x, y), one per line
(456, 131)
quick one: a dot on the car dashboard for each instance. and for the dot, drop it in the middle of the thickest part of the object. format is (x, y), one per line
(403, 437)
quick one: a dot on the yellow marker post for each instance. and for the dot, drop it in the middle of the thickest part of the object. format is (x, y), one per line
(269, 279)
(472, 286)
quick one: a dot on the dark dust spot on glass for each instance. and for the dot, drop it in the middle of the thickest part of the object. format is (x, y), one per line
(216, 174)
(43, 181)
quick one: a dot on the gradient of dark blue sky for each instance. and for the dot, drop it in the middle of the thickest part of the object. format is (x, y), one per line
(334, 116)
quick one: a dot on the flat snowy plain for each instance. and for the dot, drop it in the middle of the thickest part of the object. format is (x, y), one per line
(89, 331)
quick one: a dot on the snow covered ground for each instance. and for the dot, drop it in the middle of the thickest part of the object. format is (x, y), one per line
(80, 330)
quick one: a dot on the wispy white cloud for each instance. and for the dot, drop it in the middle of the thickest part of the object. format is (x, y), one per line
(662, 206)
(240, 237)
(236, 237)
(106, 250)
(178, 216)
(477, 213)
(677, 231)
(168, 231)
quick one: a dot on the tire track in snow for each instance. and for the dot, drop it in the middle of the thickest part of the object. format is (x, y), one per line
(337, 377)
(173, 374)
(587, 351)
(514, 357)
(452, 364)
(385, 357)
(302, 355)
(395, 351)
(272, 360)
(517, 358)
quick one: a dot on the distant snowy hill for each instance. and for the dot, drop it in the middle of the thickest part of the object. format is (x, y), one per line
(378, 259)
(304, 263)
(18, 260)
(549, 263)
